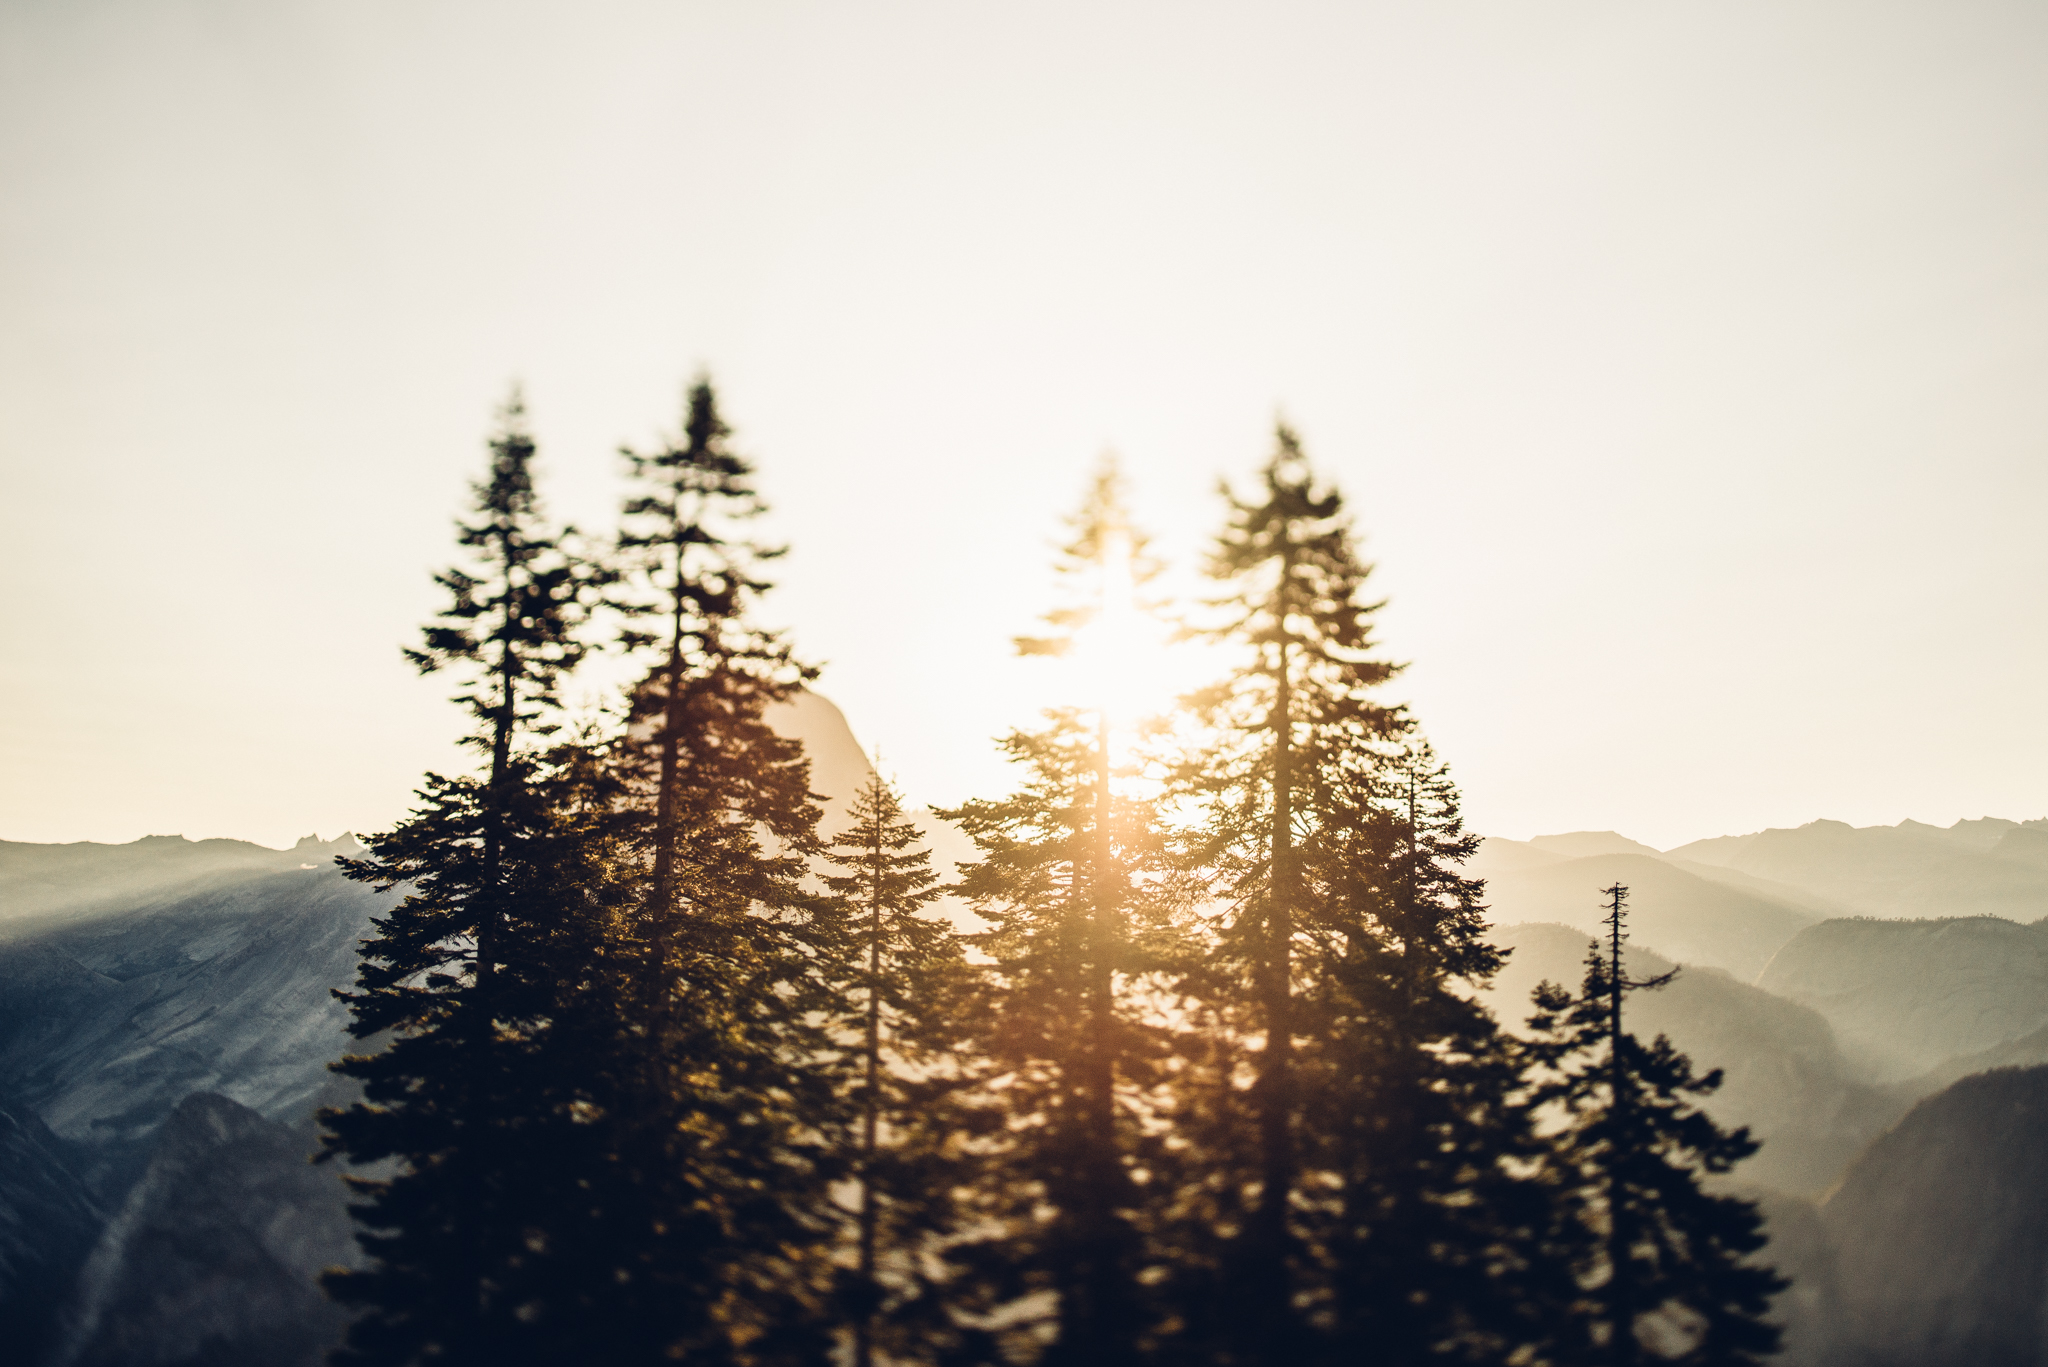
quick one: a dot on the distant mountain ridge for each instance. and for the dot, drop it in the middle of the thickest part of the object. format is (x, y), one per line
(1735, 901)
(40, 882)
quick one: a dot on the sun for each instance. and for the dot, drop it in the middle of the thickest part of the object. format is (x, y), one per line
(1121, 654)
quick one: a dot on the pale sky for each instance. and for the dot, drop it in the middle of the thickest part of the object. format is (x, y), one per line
(1685, 366)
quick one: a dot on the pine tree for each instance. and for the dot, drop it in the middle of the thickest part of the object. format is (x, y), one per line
(1665, 1264)
(1082, 925)
(1362, 1193)
(1281, 731)
(717, 1175)
(902, 986)
(1428, 1214)
(1060, 1217)
(456, 979)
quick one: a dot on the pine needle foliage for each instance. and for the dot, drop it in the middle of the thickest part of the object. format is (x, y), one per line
(659, 1076)
(1083, 936)
(1301, 719)
(1106, 556)
(1061, 1258)
(1423, 1212)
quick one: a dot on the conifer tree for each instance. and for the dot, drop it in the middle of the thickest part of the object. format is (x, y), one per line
(1428, 1219)
(1665, 1264)
(718, 1175)
(905, 975)
(1362, 1195)
(456, 980)
(1060, 1217)
(1286, 727)
(1082, 926)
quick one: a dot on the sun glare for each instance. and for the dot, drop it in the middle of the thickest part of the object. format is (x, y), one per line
(1121, 656)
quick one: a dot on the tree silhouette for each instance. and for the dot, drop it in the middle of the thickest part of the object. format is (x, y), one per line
(904, 975)
(457, 979)
(1298, 721)
(1426, 1211)
(1057, 1214)
(1666, 1263)
(663, 1077)
(1082, 925)
(1371, 1190)
(716, 1174)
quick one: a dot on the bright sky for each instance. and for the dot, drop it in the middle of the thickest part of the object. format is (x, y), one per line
(1686, 366)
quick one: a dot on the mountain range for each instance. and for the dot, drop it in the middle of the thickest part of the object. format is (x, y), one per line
(1876, 999)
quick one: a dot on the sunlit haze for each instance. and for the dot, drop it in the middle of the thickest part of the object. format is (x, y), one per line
(1681, 366)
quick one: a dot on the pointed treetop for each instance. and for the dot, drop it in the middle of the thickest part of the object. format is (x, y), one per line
(700, 463)
(516, 608)
(508, 495)
(1102, 567)
(1286, 510)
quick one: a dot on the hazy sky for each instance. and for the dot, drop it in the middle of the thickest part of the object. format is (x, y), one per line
(1685, 364)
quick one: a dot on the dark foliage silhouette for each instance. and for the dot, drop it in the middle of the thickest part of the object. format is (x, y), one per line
(461, 979)
(1667, 1264)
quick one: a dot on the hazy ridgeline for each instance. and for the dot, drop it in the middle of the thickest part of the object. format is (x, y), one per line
(674, 1037)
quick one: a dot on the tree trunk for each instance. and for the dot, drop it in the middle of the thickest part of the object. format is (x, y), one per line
(1620, 1233)
(1268, 1286)
(1103, 1324)
(863, 1342)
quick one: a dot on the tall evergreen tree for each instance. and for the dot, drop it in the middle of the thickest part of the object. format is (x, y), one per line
(1103, 568)
(905, 975)
(1667, 1265)
(1281, 731)
(718, 1171)
(1363, 1195)
(1071, 883)
(456, 979)
(1060, 1258)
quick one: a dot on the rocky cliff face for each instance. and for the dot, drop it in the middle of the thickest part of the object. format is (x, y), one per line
(109, 1024)
(213, 1256)
(161, 1065)
(166, 1021)
(48, 1220)
(1939, 1233)
(1906, 996)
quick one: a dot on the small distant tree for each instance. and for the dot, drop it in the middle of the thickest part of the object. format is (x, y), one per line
(902, 984)
(458, 979)
(1665, 1265)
